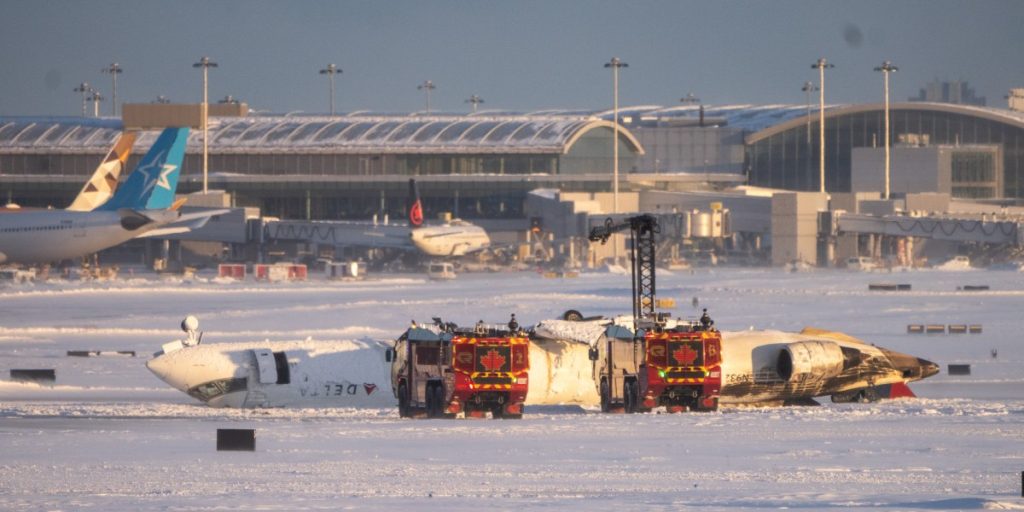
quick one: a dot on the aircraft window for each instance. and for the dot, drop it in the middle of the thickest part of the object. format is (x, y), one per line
(283, 373)
(213, 389)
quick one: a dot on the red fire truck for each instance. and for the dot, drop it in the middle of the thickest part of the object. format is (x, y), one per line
(447, 370)
(658, 362)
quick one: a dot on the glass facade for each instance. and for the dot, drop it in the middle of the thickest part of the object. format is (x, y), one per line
(789, 159)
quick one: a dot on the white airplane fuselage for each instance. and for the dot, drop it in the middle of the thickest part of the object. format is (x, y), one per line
(41, 236)
(457, 238)
(355, 374)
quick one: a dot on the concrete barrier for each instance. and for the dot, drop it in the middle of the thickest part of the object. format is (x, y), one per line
(231, 270)
(915, 329)
(98, 353)
(957, 329)
(958, 369)
(40, 376)
(972, 288)
(236, 439)
(974, 328)
(935, 329)
(888, 287)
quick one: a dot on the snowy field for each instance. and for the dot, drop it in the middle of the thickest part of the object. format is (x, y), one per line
(111, 436)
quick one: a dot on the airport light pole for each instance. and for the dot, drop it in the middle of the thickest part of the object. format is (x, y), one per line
(206, 64)
(808, 88)
(95, 97)
(114, 69)
(476, 101)
(330, 71)
(161, 99)
(84, 89)
(427, 86)
(615, 64)
(886, 68)
(820, 65)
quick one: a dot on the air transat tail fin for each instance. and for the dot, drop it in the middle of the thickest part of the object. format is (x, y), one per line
(152, 184)
(415, 205)
(100, 188)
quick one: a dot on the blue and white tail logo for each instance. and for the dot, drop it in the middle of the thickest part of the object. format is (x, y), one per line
(152, 184)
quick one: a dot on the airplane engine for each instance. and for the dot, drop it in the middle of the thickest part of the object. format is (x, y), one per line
(814, 360)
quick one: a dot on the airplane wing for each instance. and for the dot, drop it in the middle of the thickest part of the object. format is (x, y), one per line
(185, 223)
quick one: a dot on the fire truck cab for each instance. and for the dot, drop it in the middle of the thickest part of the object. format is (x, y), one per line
(439, 373)
(677, 367)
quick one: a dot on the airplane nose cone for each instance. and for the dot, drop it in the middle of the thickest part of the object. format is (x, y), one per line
(928, 368)
(163, 368)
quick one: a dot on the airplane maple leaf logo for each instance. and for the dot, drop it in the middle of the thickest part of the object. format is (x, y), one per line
(492, 361)
(685, 355)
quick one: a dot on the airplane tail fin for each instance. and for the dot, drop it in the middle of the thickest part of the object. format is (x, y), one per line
(415, 205)
(100, 188)
(152, 184)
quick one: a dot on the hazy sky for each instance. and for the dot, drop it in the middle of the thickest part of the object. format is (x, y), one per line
(517, 55)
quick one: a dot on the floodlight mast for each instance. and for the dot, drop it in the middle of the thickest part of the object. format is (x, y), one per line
(808, 88)
(427, 86)
(206, 64)
(95, 97)
(330, 71)
(114, 69)
(820, 65)
(476, 101)
(83, 88)
(615, 64)
(886, 68)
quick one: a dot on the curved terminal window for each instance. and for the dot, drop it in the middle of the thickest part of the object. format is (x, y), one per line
(213, 389)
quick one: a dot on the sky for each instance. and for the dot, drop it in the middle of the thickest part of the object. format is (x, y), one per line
(516, 55)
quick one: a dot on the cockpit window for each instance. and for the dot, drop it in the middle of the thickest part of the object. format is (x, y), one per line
(213, 389)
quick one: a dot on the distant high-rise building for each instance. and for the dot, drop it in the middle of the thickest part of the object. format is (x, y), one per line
(949, 92)
(1015, 100)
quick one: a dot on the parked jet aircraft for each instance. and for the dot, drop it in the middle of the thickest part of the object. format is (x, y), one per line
(140, 207)
(759, 368)
(104, 180)
(453, 238)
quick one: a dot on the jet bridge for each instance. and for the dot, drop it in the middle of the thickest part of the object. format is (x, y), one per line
(337, 233)
(1000, 232)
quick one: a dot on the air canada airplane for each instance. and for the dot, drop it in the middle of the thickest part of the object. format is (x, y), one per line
(143, 206)
(453, 238)
(354, 373)
(104, 180)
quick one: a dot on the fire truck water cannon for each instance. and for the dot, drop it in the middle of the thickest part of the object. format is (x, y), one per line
(443, 370)
(677, 365)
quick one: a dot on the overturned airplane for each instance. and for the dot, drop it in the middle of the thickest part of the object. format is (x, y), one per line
(758, 368)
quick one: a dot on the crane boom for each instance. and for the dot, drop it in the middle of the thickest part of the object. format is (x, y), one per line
(642, 230)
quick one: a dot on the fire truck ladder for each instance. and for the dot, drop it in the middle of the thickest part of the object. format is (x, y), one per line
(643, 229)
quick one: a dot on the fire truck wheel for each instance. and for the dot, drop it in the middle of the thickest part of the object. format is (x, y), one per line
(403, 401)
(606, 400)
(439, 402)
(572, 315)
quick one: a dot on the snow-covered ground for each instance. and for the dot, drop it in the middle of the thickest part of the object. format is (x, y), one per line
(109, 435)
